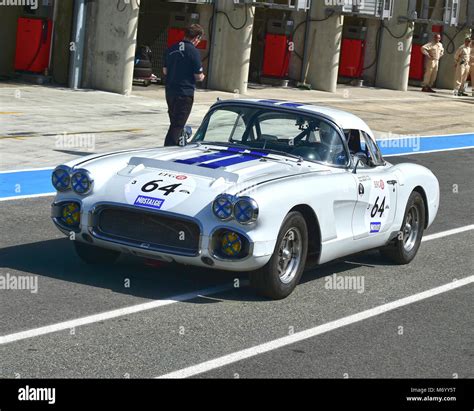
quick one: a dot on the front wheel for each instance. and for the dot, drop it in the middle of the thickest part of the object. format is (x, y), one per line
(279, 277)
(403, 249)
(95, 255)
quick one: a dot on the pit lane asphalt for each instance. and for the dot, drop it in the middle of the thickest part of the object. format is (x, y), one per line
(436, 340)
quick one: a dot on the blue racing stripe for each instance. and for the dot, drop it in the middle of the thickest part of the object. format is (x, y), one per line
(269, 101)
(209, 157)
(229, 161)
(291, 105)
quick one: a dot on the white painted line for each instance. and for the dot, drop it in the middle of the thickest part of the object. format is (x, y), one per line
(313, 332)
(427, 151)
(27, 196)
(26, 169)
(448, 233)
(108, 315)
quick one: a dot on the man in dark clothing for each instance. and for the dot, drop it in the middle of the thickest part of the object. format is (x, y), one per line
(182, 68)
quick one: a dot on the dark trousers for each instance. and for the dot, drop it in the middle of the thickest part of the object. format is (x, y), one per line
(179, 109)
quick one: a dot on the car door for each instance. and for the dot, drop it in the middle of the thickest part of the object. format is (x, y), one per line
(376, 204)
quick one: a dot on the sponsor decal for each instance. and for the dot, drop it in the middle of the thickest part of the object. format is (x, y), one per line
(375, 227)
(149, 202)
(167, 174)
(165, 189)
(364, 178)
(379, 184)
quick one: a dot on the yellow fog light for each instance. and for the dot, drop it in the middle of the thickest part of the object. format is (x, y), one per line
(231, 244)
(71, 214)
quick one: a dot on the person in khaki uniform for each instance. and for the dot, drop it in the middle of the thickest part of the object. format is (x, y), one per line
(462, 66)
(433, 50)
(472, 65)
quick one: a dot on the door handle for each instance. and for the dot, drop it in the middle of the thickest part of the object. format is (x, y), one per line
(392, 182)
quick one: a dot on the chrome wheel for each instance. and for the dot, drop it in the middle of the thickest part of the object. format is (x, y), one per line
(289, 255)
(411, 228)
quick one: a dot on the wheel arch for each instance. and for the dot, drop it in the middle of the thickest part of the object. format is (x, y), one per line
(421, 191)
(314, 235)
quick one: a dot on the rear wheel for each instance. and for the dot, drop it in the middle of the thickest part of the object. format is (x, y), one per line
(279, 277)
(95, 255)
(404, 248)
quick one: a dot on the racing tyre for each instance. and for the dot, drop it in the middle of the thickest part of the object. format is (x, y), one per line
(95, 255)
(403, 249)
(279, 277)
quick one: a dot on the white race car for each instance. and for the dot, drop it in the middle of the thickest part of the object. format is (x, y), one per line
(263, 186)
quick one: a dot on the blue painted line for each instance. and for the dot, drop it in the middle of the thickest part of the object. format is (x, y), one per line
(413, 145)
(24, 183)
(37, 182)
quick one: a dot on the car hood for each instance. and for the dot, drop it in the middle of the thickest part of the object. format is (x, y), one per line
(185, 180)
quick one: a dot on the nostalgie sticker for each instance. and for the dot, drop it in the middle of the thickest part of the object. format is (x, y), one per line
(160, 190)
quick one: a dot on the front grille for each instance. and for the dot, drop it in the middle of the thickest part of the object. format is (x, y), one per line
(149, 230)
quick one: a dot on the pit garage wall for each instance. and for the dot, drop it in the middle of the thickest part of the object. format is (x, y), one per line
(8, 25)
(110, 45)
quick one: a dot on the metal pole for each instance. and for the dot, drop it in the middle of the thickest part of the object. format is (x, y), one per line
(77, 52)
(306, 45)
(211, 38)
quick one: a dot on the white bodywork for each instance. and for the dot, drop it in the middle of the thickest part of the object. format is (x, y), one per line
(278, 185)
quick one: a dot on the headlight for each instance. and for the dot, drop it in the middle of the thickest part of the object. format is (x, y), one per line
(231, 244)
(222, 207)
(61, 178)
(71, 214)
(81, 182)
(245, 210)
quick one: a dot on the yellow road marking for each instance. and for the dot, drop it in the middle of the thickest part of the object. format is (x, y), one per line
(131, 130)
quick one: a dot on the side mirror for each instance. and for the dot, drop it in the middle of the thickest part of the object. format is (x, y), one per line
(359, 158)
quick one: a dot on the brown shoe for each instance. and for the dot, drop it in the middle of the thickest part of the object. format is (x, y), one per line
(431, 90)
(425, 90)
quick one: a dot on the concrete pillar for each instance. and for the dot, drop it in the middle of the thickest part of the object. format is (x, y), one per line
(324, 59)
(205, 15)
(110, 46)
(230, 53)
(446, 71)
(61, 43)
(395, 54)
(370, 56)
(296, 63)
(8, 25)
